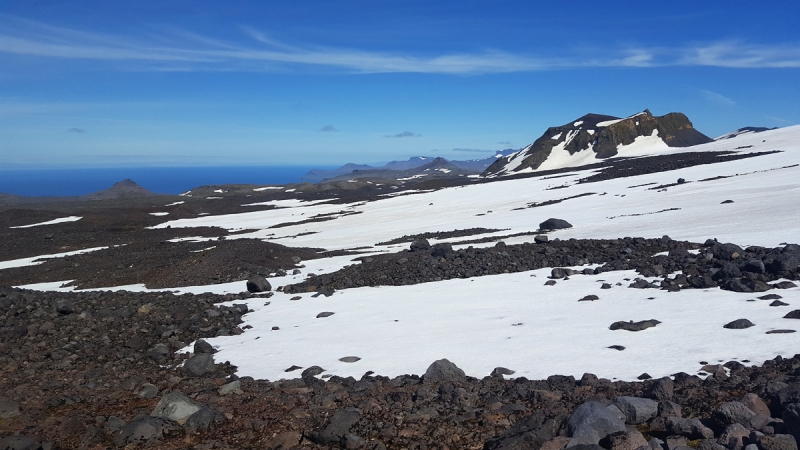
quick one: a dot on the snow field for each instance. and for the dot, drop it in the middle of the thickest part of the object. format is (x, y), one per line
(509, 320)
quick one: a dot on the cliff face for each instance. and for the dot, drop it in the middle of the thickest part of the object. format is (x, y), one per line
(602, 135)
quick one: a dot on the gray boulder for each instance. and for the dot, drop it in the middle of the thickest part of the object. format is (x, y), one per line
(754, 403)
(258, 283)
(669, 409)
(199, 365)
(19, 443)
(175, 406)
(625, 440)
(338, 427)
(554, 224)
(591, 422)
(536, 431)
(690, 428)
(8, 409)
(444, 370)
(637, 410)
(147, 430)
(420, 245)
(733, 438)
(733, 412)
(203, 420)
(774, 442)
(662, 389)
(64, 306)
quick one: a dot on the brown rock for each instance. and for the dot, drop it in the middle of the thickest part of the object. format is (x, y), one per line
(755, 404)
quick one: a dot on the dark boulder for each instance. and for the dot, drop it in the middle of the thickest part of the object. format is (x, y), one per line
(147, 430)
(793, 315)
(420, 245)
(591, 422)
(444, 370)
(554, 224)
(258, 283)
(634, 326)
(738, 324)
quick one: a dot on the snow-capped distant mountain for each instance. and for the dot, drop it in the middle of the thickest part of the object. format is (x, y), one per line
(742, 131)
(595, 136)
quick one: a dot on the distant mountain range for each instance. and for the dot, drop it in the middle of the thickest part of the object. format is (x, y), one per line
(365, 171)
(595, 136)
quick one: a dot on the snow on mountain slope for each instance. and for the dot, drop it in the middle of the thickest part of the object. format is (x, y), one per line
(613, 209)
(514, 320)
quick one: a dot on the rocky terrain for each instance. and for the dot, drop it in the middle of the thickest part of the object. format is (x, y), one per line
(113, 370)
(712, 264)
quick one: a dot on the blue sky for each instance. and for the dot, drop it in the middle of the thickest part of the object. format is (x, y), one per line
(113, 83)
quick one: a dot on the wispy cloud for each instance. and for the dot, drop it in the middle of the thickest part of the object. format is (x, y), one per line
(505, 143)
(76, 130)
(328, 129)
(404, 134)
(179, 50)
(717, 98)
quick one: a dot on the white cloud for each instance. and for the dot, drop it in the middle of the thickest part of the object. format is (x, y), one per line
(179, 50)
(717, 98)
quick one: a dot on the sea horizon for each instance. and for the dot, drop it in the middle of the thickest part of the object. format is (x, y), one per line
(68, 182)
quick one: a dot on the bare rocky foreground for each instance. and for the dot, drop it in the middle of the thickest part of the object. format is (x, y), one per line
(101, 370)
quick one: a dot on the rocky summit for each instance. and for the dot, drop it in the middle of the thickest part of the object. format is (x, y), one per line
(597, 136)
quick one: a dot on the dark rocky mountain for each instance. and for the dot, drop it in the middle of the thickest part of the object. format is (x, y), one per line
(126, 188)
(316, 175)
(602, 135)
(745, 130)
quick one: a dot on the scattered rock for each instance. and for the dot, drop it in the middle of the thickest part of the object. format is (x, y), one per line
(634, 326)
(617, 347)
(793, 315)
(350, 359)
(778, 303)
(780, 331)
(324, 314)
(589, 298)
(738, 324)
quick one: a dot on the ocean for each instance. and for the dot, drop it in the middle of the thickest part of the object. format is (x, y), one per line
(161, 180)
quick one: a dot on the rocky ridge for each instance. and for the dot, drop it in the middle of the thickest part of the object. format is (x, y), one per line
(602, 135)
(702, 266)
